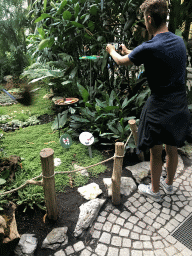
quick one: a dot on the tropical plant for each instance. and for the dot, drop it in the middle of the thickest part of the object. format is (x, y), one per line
(12, 37)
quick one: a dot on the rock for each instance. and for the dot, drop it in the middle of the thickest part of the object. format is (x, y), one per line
(3, 225)
(27, 245)
(140, 170)
(90, 191)
(88, 213)
(83, 171)
(127, 186)
(56, 238)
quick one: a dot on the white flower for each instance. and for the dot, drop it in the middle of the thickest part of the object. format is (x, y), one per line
(57, 161)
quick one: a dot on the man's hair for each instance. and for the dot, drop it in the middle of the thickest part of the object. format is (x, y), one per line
(158, 11)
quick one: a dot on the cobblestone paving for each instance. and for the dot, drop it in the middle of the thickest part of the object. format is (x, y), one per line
(143, 227)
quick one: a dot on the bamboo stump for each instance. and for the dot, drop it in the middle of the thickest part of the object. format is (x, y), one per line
(47, 163)
(133, 127)
(117, 169)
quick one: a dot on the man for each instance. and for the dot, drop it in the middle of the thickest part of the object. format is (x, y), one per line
(165, 116)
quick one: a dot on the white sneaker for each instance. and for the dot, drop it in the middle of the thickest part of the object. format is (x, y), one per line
(146, 190)
(167, 188)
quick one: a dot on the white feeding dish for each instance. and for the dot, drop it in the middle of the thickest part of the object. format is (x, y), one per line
(86, 138)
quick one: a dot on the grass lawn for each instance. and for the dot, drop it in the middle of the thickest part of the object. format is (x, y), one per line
(27, 144)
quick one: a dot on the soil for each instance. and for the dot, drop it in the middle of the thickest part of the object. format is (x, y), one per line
(35, 222)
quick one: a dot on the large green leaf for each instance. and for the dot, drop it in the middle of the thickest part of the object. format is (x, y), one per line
(80, 119)
(62, 6)
(61, 118)
(42, 17)
(83, 92)
(77, 25)
(93, 9)
(67, 15)
(44, 43)
(2, 181)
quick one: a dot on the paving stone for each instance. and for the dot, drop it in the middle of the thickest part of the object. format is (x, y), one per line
(169, 227)
(104, 213)
(165, 216)
(136, 253)
(128, 225)
(125, 214)
(173, 213)
(141, 224)
(150, 200)
(116, 241)
(179, 217)
(134, 236)
(160, 252)
(137, 229)
(166, 211)
(181, 198)
(116, 211)
(188, 208)
(156, 205)
(120, 221)
(179, 204)
(60, 253)
(101, 249)
(148, 220)
(115, 229)
(155, 211)
(137, 245)
(186, 252)
(186, 194)
(124, 232)
(101, 219)
(167, 199)
(136, 204)
(139, 214)
(188, 188)
(175, 198)
(132, 209)
(96, 234)
(158, 245)
(109, 207)
(69, 250)
(98, 225)
(166, 205)
(151, 215)
(142, 199)
(142, 209)
(148, 253)
(113, 251)
(157, 225)
(107, 226)
(112, 217)
(150, 228)
(148, 206)
(160, 220)
(179, 246)
(126, 242)
(157, 237)
(165, 243)
(105, 238)
(171, 239)
(124, 252)
(137, 195)
(145, 238)
(147, 245)
(132, 199)
(133, 219)
(170, 250)
(79, 246)
(85, 253)
(163, 232)
(175, 208)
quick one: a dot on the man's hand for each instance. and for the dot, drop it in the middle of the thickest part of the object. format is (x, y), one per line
(110, 48)
(124, 50)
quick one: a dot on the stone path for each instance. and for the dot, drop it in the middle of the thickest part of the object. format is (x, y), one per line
(142, 228)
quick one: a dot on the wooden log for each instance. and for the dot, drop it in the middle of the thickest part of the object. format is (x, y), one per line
(117, 169)
(133, 127)
(47, 163)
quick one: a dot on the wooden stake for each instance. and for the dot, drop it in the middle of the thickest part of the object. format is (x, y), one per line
(47, 163)
(117, 169)
(133, 127)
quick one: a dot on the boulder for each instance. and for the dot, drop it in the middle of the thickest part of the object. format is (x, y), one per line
(27, 245)
(56, 238)
(128, 185)
(90, 191)
(88, 213)
(139, 171)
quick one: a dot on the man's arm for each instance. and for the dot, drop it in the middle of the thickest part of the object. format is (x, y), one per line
(120, 60)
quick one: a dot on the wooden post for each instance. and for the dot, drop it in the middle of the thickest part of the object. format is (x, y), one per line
(133, 127)
(117, 169)
(47, 163)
